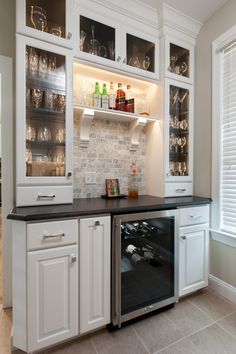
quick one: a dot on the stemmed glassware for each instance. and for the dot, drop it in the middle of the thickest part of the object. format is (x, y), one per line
(37, 97)
(38, 17)
(146, 62)
(43, 65)
(182, 142)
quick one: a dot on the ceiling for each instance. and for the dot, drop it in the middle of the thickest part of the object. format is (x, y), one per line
(200, 10)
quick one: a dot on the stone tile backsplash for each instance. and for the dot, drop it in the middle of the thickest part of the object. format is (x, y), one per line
(108, 156)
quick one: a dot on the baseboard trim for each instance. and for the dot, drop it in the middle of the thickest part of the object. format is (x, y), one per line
(222, 288)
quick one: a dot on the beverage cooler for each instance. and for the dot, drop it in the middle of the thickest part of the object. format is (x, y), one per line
(145, 264)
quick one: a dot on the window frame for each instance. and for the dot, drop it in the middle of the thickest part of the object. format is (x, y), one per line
(218, 46)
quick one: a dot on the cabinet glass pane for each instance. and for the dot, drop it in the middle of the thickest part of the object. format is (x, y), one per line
(47, 16)
(179, 132)
(45, 113)
(140, 53)
(179, 60)
(97, 39)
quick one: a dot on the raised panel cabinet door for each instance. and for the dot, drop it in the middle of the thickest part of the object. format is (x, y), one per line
(193, 265)
(52, 292)
(95, 272)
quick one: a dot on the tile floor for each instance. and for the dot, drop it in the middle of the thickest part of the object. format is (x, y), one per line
(203, 323)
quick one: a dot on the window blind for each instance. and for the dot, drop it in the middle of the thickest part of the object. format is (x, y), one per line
(228, 143)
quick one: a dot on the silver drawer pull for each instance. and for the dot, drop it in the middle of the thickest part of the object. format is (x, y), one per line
(46, 196)
(97, 223)
(183, 237)
(54, 235)
(196, 217)
(180, 190)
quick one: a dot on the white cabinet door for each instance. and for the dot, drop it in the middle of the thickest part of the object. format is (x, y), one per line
(140, 53)
(44, 123)
(52, 293)
(95, 272)
(193, 258)
(49, 21)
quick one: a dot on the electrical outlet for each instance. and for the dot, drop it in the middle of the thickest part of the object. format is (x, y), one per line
(90, 178)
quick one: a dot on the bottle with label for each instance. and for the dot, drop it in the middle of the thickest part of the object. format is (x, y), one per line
(105, 97)
(97, 96)
(129, 102)
(120, 98)
(133, 182)
(112, 97)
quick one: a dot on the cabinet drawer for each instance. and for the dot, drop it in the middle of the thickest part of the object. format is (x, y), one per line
(43, 195)
(52, 234)
(178, 189)
(195, 215)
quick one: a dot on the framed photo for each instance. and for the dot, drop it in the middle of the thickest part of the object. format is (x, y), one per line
(112, 187)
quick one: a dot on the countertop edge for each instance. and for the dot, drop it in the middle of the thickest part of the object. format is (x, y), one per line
(115, 210)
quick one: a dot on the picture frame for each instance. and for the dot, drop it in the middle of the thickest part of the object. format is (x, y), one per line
(112, 187)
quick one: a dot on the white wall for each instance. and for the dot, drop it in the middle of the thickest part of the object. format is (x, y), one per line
(223, 258)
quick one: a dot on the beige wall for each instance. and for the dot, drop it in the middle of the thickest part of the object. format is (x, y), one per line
(223, 258)
(7, 27)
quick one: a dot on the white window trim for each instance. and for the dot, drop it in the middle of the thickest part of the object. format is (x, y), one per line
(217, 47)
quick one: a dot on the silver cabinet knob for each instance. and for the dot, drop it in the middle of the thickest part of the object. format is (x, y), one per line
(73, 258)
(125, 61)
(118, 58)
(183, 237)
(69, 35)
(97, 223)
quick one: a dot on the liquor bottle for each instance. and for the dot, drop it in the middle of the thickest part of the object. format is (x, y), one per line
(129, 102)
(105, 97)
(120, 98)
(97, 96)
(112, 97)
(133, 182)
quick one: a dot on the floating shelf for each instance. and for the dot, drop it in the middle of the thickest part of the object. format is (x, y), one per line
(87, 114)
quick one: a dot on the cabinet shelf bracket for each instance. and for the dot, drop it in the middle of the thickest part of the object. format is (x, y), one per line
(135, 130)
(86, 117)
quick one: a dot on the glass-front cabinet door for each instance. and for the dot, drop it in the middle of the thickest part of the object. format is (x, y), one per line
(141, 54)
(179, 135)
(97, 39)
(179, 60)
(46, 20)
(44, 118)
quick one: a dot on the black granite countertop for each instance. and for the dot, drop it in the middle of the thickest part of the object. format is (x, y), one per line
(93, 206)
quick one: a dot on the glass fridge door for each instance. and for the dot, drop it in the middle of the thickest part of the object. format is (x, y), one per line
(178, 131)
(147, 262)
(45, 131)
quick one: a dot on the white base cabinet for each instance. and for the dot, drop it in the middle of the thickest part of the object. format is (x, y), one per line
(45, 283)
(52, 296)
(95, 272)
(193, 249)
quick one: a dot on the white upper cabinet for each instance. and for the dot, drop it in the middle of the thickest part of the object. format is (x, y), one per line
(49, 21)
(107, 42)
(44, 124)
(179, 60)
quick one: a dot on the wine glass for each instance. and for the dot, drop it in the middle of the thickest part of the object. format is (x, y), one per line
(30, 133)
(184, 168)
(37, 97)
(56, 30)
(182, 142)
(60, 135)
(33, 62)
(43, 65)
(61, 103)
(172, 67)
(182, 68)
(146, 62)
(38, 17)
(52, 67)
(83, 35)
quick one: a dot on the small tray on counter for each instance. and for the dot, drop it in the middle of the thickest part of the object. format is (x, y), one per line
(120, 196)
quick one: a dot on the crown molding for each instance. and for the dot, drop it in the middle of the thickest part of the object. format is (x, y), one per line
(168, 17)
(133, 9)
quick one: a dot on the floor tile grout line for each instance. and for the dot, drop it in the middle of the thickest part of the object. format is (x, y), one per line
(185, 337)
(225, 316)
(201, 310)
(141, 340)
(226, 331)
(93, 345)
